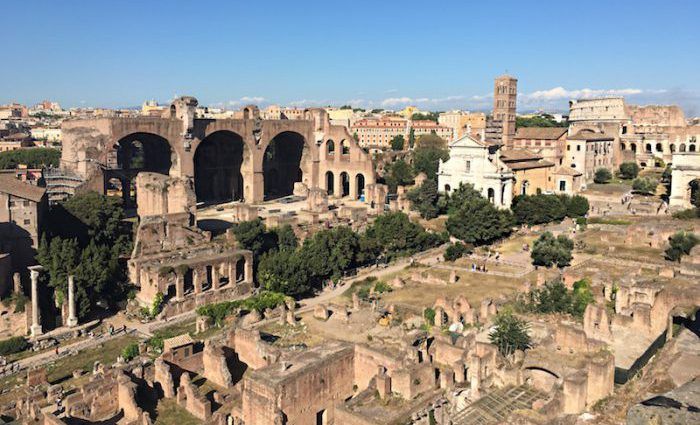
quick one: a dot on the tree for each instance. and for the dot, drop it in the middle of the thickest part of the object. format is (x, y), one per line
(539, 121)
(411, 138)
(329, 252)
(576, 206)
(479, 222)
(429, 151)
(253, 235)
(464, 194)
(394, 235)
(397, 143)
(548, 250)
(286, 237)
(602, 175)
(510, 334)
(455, 251)
(539, 209)
(32, 158)
(428, 116)
(424, 199)
(629, 170)
(284, 271)
(681, 243)
(399, 173)
(645, 185)
(554, 297)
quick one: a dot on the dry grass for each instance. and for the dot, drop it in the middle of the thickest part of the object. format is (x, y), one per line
(169, 413)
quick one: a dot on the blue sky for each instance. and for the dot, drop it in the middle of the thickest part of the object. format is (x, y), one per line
(439, 55)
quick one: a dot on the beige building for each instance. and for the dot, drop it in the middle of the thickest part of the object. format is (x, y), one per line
(49, 134)
(587, 151)
(22, 208)
(462, 122)
(377, 133)
(550, 142)
(422, 127)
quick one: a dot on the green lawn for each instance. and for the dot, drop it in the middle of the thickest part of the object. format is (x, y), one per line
(169, 413)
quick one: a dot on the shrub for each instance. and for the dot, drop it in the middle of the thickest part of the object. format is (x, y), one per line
(602, 175)
(680, 244)
(645, 185)
(538, 209)
(687, 214)
(629, 170)
(429, 315)
(455, 251)
(548, 250)
(576, 206)
(13, 345)
(130, 351)
(554, 297)
(381, 287)
(217, 312)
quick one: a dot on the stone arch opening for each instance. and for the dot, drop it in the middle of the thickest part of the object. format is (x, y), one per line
(633, 147)
(648, 148)
(691, 148)
(330, 147)
(345, 147)
(541, 378)
(672, 147)
(622, 146)
(329, 182)
(491, 194)
(282, 164)
(217, 167)
(682, 148)
(344, 184)
(447, 188)
(359, 185)
(144, 152)
(659, 148)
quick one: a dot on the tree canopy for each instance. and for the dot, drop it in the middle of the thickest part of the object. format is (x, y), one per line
(544, 208)
(539, 121)
(478, 222)
(32, 158)
(510, 334)
(397, 143)
(629, 170)
(398, 173)
(548, 250)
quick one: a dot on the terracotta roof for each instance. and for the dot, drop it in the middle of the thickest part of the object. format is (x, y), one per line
(566, 171)
(589, 135)
(527, 165)
(9, 184)
(541, 133)
(508, 155)
(177, 341)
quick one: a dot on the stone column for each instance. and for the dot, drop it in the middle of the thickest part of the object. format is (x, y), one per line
(231, 272)
(72, 317)
(215, 277)
(179, 286)
(196, 282)
(248, 275)
(36, 323)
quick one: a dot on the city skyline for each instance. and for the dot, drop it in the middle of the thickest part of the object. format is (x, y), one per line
(228, 55)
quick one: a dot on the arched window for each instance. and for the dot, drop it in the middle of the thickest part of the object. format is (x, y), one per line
(659, 148)
(622, 146)
(691, 148)
(330, 147)
(447, 188)
(682, 148)
(491, 194)
(648, 148)
(345, 147)
(672, 147)
(633, 146)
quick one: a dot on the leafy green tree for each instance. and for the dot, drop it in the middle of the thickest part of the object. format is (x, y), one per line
(548, 250)
(463, 194)
(576, 206)
(510, 334)
(428, 153)
(554, 297)
(329, 252)
(284, 271)
(629, 170)
(130, 352)
(602, 175)
(538, 209)
(399, 173)
(396, 235)
(254, 236)
(479, 222)
(582, 296)
(645, 185)
(32, 158)
(411, 138)
(286, 239)
(681, 243)
(397, 143)
(455, 251)
(428, 116)
(425, 199)
(539, 121)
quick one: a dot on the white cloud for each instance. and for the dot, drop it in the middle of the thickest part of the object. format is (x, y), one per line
(560, 93)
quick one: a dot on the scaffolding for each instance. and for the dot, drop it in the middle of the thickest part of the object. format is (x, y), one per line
(495, 407)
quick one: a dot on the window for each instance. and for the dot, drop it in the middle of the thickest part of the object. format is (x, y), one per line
(27, 221)
(468, 166)
(12, 204)
(26, 203)
(578, 148)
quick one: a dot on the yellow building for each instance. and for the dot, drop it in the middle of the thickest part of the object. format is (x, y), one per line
(408, 111)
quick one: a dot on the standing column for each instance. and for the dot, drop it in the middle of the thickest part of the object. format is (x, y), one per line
(231, 273)
(179, 286)
(36, 324)
(72, 318)
(196, 282)
(248, 274)
(215, 277)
